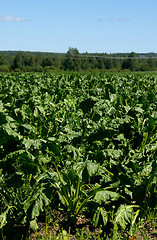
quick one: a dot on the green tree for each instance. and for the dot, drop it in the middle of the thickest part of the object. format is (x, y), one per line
(18, 61)
(47, 61)
(131, 62)
(72, 60)
(108, 63)
(85, 61)
(152, 64)
(4, 68)
(39, 59)
(100, 63)
(3, 60)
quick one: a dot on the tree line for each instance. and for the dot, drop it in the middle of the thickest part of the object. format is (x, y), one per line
(74, 61)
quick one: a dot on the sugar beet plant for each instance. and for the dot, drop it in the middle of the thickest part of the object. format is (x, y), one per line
(80, 144)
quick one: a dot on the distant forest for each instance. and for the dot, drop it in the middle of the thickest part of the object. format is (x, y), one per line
(18, 61)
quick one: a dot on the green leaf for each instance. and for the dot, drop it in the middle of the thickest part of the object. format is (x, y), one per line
(92, 168)
(104, 215)
(138, 109)
(106, 195)
(100, 213)
(3, 218)
(125, 215)
(114, 153)
(37, 208)
(34, 225)
(96, 217)
(36, 112)
(78, 168)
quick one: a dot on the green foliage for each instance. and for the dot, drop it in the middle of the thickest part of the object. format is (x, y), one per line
(75, 61)
(125, 215)
(4, 68)
(78, 143)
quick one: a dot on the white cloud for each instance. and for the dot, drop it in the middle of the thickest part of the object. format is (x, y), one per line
(12, 19)
(107, 19)
(112, 20)
(122, 20)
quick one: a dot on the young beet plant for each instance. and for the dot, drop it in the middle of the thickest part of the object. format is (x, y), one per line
(76, 197)
(73, 194)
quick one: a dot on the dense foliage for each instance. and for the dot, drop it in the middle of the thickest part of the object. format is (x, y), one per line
(83, 144)
(75, 61)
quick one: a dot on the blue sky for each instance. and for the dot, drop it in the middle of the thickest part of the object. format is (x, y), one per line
(109, 26)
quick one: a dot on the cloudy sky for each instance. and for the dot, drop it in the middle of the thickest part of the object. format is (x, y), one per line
(89, 25)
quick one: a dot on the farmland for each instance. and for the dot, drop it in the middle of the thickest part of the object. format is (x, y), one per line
(77, 149)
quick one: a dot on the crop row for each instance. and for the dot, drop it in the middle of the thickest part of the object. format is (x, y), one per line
(83, 144)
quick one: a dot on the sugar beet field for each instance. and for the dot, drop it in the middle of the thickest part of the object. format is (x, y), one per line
(78, 156)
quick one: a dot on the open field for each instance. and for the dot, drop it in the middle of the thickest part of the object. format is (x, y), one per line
(78, 155)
